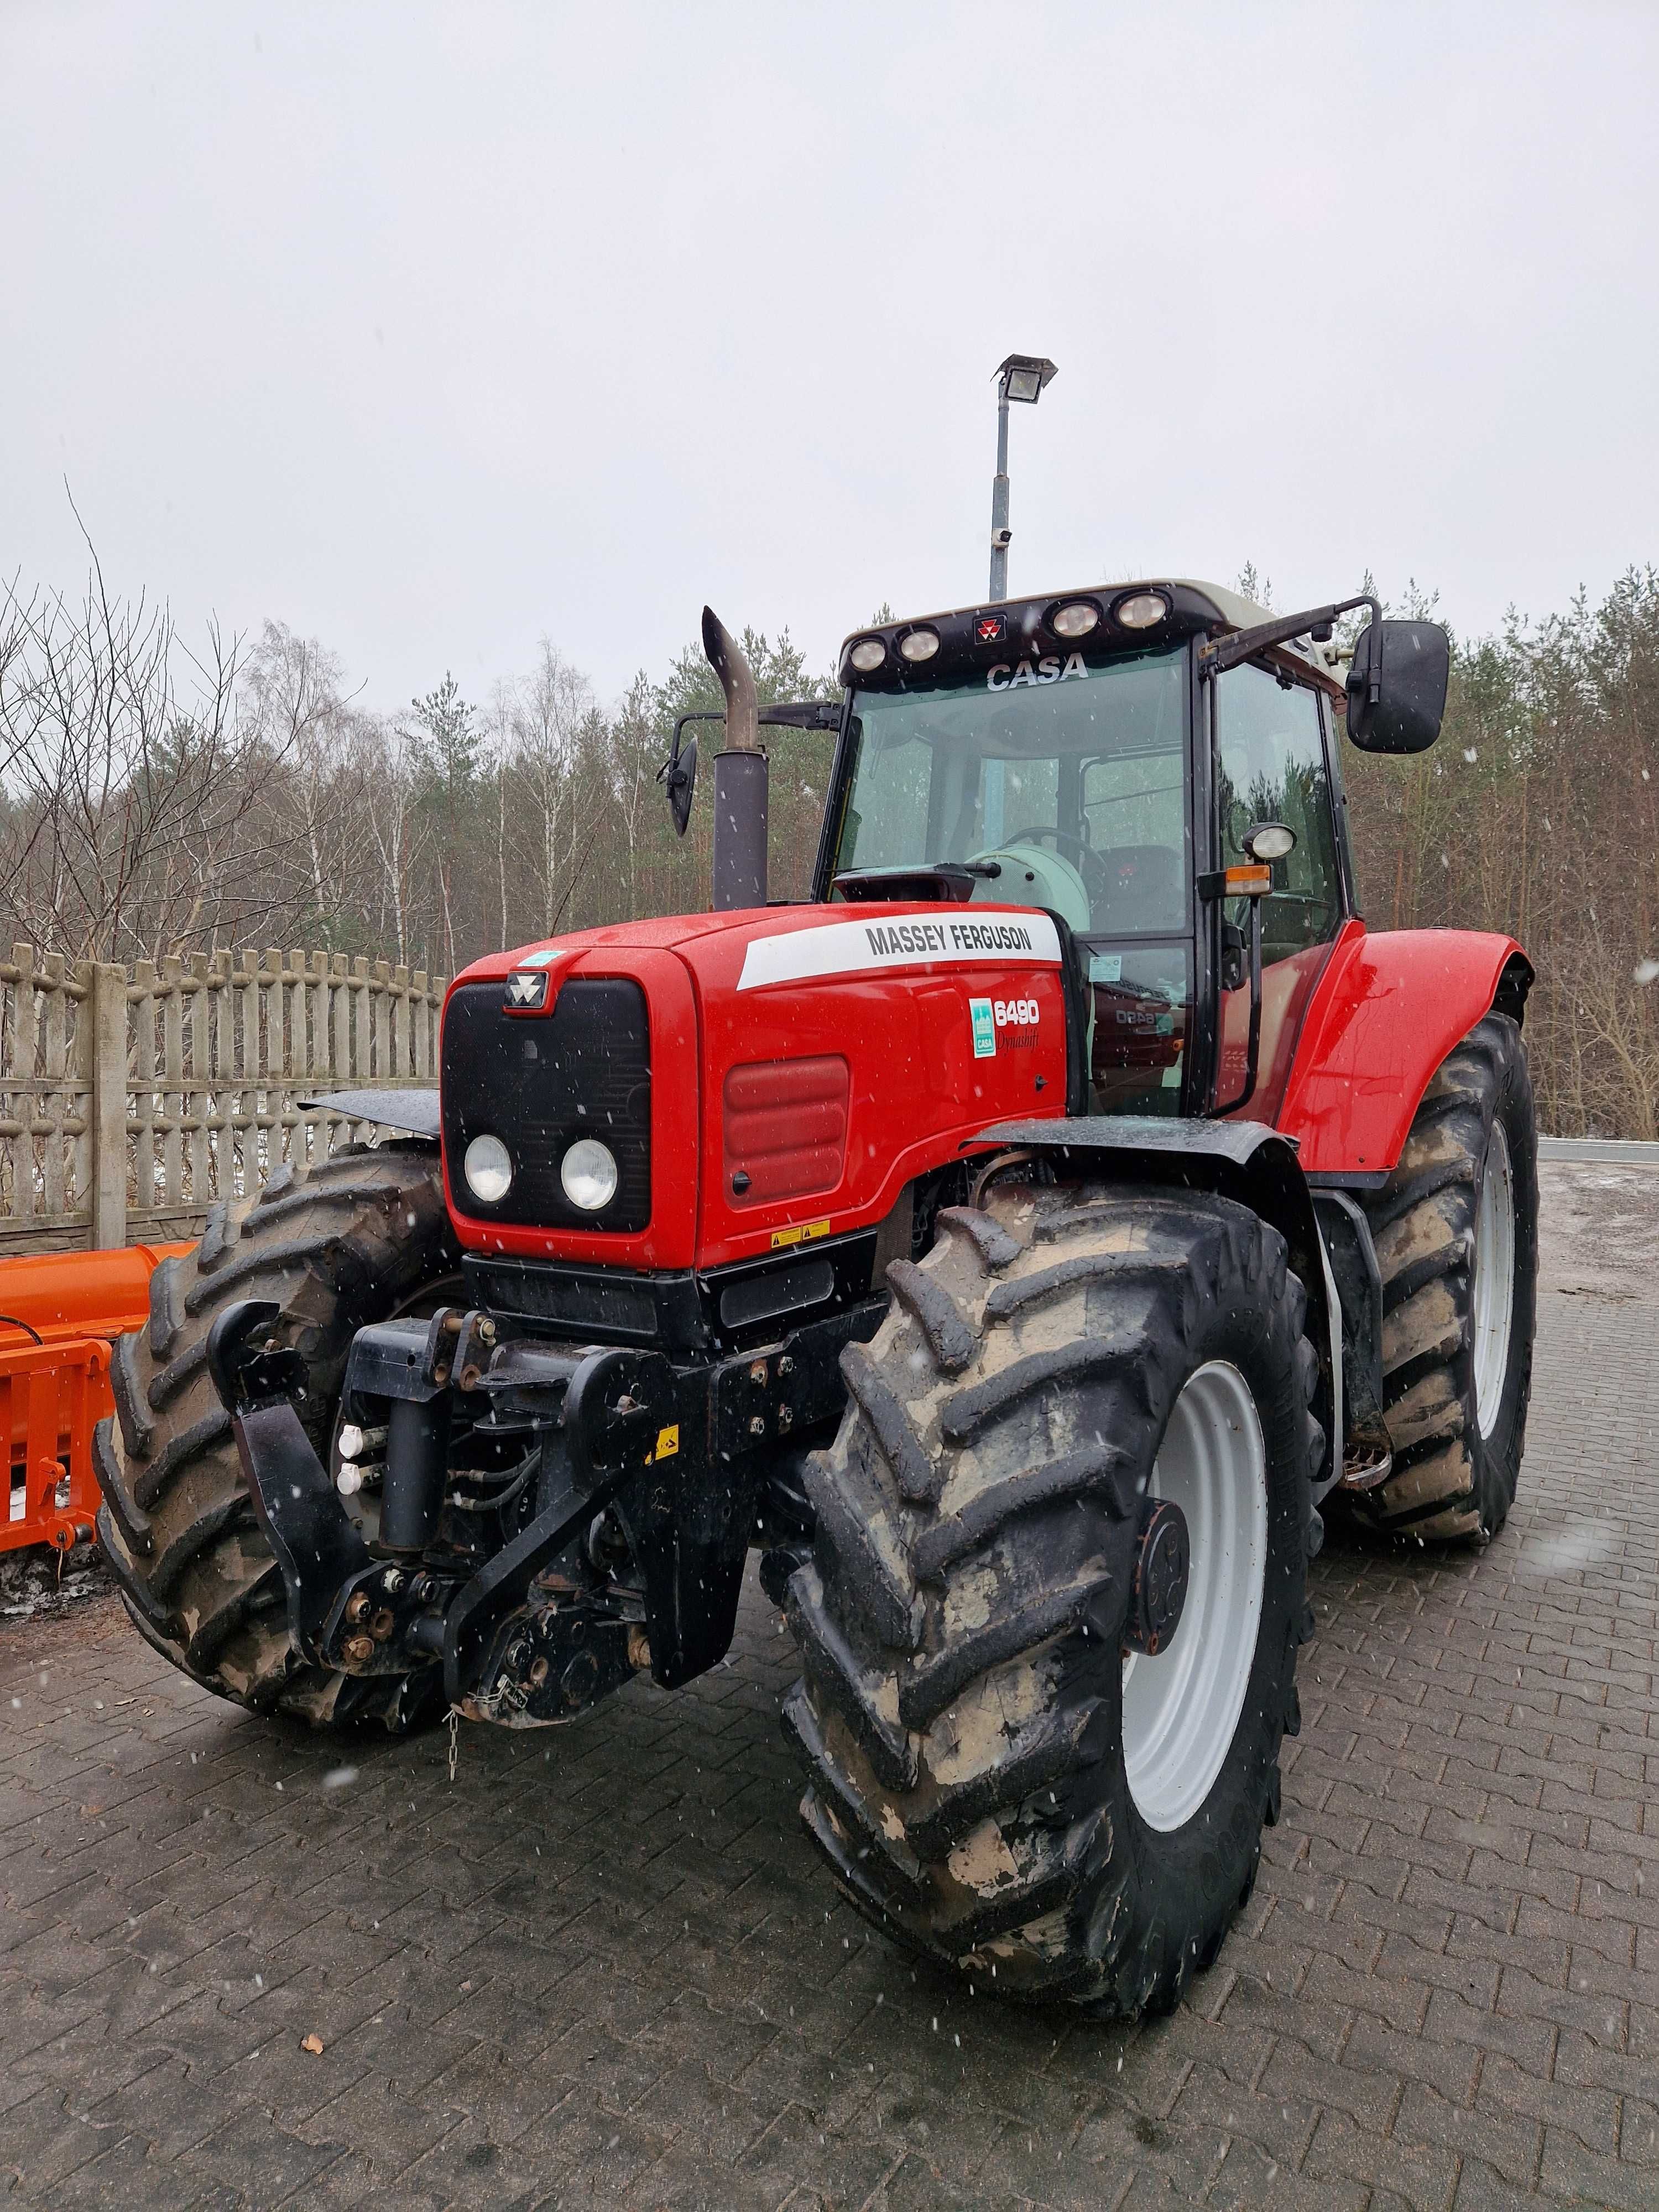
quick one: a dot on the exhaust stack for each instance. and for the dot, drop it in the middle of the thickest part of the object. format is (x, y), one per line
(740, 777)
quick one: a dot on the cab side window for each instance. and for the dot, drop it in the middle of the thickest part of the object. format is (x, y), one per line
(1272, 769)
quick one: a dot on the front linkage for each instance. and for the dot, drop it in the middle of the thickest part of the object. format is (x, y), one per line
(598, 1526)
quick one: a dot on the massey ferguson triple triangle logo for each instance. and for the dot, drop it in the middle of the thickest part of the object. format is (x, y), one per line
(527, 989)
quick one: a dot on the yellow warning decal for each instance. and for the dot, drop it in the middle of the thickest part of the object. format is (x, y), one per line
(668, 1442)
(780, 1237)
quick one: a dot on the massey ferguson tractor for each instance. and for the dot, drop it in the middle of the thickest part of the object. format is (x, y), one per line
(1018, 1244)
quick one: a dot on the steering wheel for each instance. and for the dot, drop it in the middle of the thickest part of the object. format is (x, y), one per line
(1087, 862)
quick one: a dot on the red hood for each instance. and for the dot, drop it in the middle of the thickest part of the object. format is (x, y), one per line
(920, 1023)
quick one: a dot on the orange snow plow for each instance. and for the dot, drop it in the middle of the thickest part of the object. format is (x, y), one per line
(58, 1313)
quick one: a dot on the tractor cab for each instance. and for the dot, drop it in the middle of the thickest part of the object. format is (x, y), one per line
(1157, 767)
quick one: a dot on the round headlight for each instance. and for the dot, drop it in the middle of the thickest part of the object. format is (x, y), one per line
(918, 644)
(487, 1168)
(588, 1172)
(1141, 609)
(1075, 621)
(1270, 840)
(868, 653)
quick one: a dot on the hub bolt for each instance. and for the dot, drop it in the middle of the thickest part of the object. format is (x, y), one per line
(359, 1648)
(392, 1580)
(356, 1605)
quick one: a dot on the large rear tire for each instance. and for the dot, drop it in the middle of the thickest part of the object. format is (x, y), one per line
(994, 1779)
(1456, 1233)
(349, 1242)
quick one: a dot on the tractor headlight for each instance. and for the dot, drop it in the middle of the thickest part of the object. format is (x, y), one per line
(487, 1168)
(588, 1172)
(918, 644)
(867, 656)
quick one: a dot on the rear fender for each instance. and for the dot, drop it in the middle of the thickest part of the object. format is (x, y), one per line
(1389, 1006)
(1242, 1160)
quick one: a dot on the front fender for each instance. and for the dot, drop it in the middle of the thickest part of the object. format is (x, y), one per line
(1387, 1009)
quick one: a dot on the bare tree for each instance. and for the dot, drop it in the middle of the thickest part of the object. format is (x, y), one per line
(136, 821)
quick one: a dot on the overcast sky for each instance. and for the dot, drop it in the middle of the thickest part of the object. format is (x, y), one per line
(433, 330)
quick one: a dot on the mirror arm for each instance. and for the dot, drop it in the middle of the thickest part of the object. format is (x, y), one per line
(669, 772)
(790, 714)
(1244, 644)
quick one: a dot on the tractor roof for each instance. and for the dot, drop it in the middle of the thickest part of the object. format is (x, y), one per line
(1192, 609)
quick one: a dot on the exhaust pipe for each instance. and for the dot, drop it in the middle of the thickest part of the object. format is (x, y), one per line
(740, 776)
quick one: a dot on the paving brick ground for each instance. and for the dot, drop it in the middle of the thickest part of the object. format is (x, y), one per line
(604, 1967)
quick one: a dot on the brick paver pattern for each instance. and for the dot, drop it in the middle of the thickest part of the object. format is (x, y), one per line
(603, 1966)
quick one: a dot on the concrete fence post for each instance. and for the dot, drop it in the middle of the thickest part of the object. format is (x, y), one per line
(109, 1107)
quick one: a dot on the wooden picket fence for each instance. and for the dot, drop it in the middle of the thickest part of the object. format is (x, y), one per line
(131, 1099)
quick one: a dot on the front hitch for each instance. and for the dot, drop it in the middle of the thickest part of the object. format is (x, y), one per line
(319, 1550)
(369, 1610)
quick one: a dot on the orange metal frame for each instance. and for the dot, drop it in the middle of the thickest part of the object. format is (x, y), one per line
(54, 1391)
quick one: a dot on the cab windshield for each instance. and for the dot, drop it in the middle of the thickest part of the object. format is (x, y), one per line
(1066, 783)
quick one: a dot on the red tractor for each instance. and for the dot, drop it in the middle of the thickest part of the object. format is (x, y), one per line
(1016, 1242)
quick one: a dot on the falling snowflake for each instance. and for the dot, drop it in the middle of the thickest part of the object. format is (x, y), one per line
(1647, 971)
(1470, 754)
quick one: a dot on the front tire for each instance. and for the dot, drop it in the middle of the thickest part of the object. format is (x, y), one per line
(349, 1242)
(988, 1779)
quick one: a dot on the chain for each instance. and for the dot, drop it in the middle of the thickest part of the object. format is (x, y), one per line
(454, 1739)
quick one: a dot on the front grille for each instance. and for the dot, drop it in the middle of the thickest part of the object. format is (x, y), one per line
(538, 1083)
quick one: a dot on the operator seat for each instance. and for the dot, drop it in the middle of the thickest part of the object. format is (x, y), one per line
(1142, 889)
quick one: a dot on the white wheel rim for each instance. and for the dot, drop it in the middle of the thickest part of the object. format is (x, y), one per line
(1181, 1709)
(1492, 1295)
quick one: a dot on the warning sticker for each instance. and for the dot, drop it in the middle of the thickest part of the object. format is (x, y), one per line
(800, 1234)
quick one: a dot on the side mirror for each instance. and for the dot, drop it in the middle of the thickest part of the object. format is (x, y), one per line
(1397, 686)
(679, 774)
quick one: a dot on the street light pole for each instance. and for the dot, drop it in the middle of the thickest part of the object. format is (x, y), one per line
(1000, 531)
(1022, 377)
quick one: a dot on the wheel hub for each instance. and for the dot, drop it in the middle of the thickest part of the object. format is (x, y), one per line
(1159, 1591)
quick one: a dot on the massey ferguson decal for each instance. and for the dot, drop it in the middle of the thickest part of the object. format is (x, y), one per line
(852, 948)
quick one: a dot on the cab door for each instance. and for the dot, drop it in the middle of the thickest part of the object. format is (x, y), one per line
(1272, 763)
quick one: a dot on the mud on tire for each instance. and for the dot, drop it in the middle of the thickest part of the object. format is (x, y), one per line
(962, 1622)
(346, 1243)
(1453, 1474)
